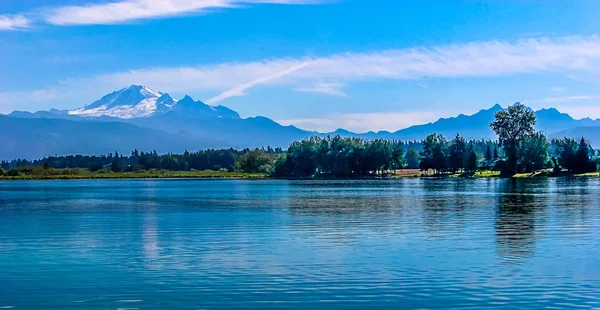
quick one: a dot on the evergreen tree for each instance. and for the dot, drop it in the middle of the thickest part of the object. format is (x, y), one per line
(488, 153)
(117, 165)
(471, 164)
(397, 160)
(583, 163)
(458, 152)
(412, 158)
(565, 150)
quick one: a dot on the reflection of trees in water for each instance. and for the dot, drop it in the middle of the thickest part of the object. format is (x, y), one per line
(346, 210)
(516, 213)
(443, 204)
(450, 206)
(573, 199)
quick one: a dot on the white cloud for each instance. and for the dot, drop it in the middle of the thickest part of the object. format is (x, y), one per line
(324, 88)
(483, 59)
(570, 98)
(238, 90)
(129, 10)
(13, 22)
(579, 112)
(363, 122)
(22, 100)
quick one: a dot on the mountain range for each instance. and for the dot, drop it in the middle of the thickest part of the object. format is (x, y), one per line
(138, 117)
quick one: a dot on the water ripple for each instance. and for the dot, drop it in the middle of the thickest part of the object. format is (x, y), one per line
(197, 244)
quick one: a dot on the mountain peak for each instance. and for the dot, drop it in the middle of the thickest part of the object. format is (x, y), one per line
(128, 96)
(136, 101)
(186, 98)
(550, 111)
(165, 99)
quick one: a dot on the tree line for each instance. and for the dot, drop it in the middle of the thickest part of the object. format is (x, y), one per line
(519, 148)
(246, 160)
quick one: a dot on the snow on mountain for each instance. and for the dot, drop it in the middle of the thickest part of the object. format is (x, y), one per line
(138, 101)
(130, 102)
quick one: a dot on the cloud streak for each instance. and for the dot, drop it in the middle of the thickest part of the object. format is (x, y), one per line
(13, 22)
(324, 88)
(480, 59)
(130, 10)
(571, 98)
(238, 90)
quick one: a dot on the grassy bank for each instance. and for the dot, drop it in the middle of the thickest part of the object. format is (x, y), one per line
(415, 173)
(81, 174)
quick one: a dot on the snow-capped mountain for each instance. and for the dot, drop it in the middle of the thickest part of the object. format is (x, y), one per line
(137, 101)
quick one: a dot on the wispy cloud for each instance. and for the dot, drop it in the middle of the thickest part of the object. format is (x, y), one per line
(129, 10)
(571, 98)
(324, 88)
(238, 90)
(13, 22)
(26, 99)
(479, 59)
(579, 112)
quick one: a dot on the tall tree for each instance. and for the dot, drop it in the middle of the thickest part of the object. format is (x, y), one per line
(534, 152)
(397, 161)
(564, 151)
(117, 164)
(512, 126)
(583, 163)
(488, 153)
(457, 153)
(471, 160)
(434, 153)
(412, 158)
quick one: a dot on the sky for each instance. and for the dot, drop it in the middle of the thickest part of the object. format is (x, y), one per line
(318, 64)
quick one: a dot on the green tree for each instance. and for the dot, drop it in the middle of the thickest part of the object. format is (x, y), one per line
(457, 153)
(488, 153)
(582, 160)
(471, 161)
(496, 157)
(564, 151)
(512, 126)
(303, 157)
(117, 163)
(412, 158)
(254, 161)
(397, 160)
(534, 152)
(378, 155)
(434, 153)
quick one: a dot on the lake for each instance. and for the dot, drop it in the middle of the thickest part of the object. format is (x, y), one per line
(233, 244)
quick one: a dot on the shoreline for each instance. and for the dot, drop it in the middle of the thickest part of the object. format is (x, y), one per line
(207, 174)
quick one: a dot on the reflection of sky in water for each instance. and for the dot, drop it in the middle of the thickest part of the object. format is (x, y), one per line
(279, 244)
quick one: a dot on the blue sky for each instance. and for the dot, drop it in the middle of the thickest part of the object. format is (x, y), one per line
(318, 64)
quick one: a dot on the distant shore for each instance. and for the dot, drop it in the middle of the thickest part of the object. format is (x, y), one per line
(81, 174)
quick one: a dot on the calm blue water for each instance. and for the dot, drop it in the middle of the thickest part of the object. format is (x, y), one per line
(203, 244)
